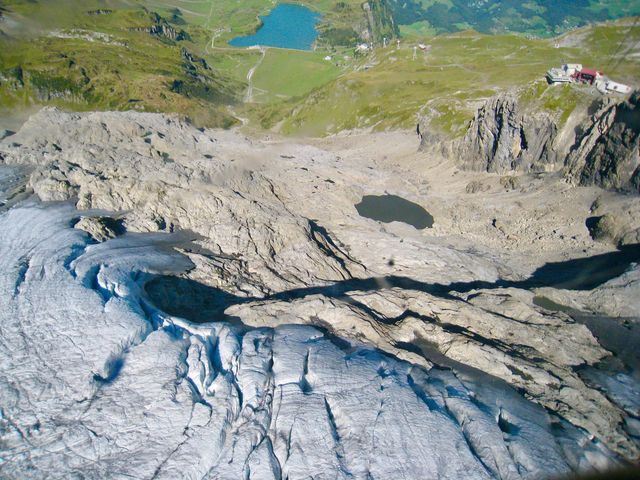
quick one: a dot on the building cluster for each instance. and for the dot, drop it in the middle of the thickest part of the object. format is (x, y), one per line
(576, 73)
(363, 48)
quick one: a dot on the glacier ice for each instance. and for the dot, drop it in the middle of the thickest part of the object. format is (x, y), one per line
(97, 382)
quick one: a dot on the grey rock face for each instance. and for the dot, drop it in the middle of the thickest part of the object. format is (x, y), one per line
(501, 138)
(100, 228)
(161, 28)
(630, 238)
(607, 152)
(606, 228)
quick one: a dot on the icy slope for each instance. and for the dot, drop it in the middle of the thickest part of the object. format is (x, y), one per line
(95, 382)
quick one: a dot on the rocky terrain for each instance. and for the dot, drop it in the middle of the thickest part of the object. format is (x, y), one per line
(600, 147)
(608, 149)
(502, 138)
(170, 305)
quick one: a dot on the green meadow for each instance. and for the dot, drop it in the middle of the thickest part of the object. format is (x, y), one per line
(391, 87)
(57, 53)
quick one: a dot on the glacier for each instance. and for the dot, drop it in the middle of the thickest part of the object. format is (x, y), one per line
(98, 382)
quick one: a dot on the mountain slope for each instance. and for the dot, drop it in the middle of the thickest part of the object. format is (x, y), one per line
(538, 17)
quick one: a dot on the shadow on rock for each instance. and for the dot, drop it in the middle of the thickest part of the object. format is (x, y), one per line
(201, 303)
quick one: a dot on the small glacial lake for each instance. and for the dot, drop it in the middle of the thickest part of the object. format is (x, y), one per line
(391, 208)
(287, 26)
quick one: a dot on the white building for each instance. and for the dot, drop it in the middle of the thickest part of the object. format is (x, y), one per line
(615, 87)
(571, 68)
(605, 86)
(558, 75)
(575, 72)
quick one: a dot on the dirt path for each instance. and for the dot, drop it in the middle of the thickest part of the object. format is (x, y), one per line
(248, 98)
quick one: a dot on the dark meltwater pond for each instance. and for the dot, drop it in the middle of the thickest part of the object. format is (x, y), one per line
(391, 208)
(287, 26)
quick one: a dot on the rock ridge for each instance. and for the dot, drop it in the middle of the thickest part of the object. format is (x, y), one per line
(505, 137)
(502, 138)
(607, 153)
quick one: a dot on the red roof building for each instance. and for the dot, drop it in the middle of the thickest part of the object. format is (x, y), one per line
(587, 75)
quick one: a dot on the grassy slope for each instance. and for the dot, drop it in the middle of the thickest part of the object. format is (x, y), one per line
(299, 92)
(446, 82)
(543, 18)
(128, 69)
(56, 69)
(285, 73)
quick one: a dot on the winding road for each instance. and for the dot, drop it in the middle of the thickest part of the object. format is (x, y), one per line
(249, 95)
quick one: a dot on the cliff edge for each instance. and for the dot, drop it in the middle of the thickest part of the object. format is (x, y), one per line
(504, 136)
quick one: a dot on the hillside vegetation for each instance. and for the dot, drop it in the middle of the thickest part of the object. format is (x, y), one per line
(148, 55)
(110, 59)
(452, 76)
(154, 56)
(540, 17)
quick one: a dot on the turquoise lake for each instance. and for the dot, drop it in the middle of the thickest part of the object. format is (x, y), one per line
(287, 26)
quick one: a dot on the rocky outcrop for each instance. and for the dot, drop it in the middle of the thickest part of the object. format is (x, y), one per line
(100, 228)
(192, 62)
(502, 138)
(607, 151)
(380, 22)
(199, 82)
(162, 28)
(100, 11)
(4, 133)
